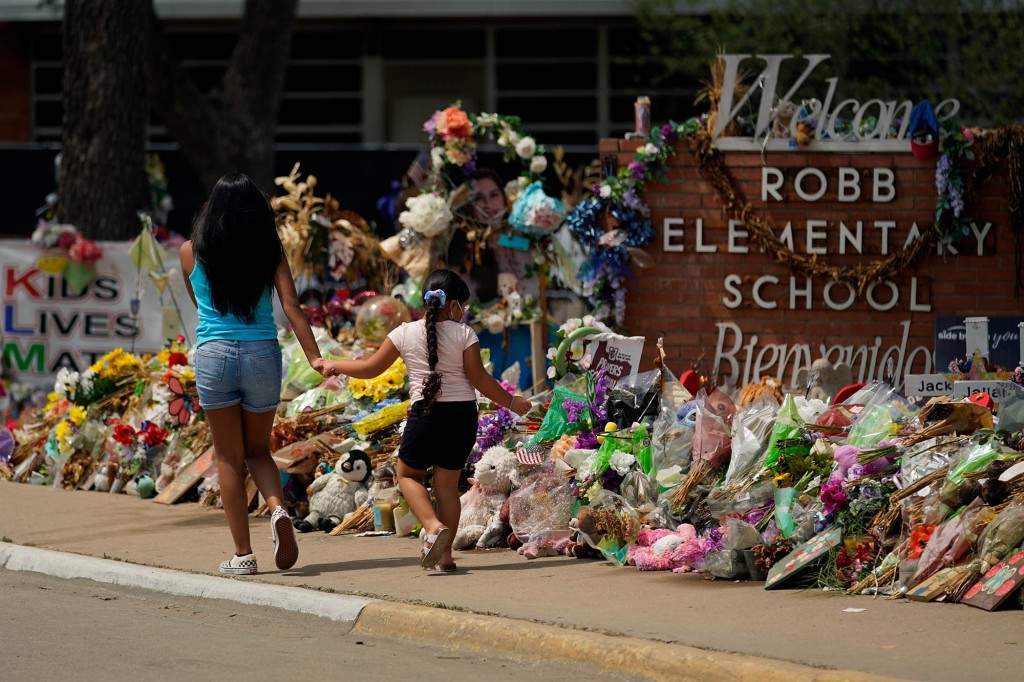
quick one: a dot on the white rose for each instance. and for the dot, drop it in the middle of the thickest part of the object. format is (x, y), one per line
(606, 191)
(427, 214)
(437, 157)
(526, 147)
(650, 149)
(589, 320)
(538, 164)
(495, 324)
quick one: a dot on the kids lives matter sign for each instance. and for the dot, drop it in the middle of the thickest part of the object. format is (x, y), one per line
(46, 324)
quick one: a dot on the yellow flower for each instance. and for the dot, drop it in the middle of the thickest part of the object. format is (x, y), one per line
(164, 355)
(782, 480)
(379, 387)
(77, 415)
(51, 401)
(65, 432)
(187, 375)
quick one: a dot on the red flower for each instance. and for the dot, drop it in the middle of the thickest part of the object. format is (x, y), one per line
(152, 435)
(124, 434)
(176, 358)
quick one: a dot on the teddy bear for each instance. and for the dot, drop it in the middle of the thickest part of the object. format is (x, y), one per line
(823, 380)
(334, 495)
(495, 475)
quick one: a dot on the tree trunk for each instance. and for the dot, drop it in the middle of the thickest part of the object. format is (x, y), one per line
(102, 181)
(232, 128)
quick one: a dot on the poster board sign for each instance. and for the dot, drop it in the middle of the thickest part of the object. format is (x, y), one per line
(1003, 341)
(619, 354)
(201, 467)
(998, 584)
(47, 324)
(797, 561)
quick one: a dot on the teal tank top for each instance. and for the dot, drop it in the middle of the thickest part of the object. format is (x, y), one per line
(213, 325)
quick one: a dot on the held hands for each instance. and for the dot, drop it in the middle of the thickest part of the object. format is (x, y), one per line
(331, 368)
(318, 365)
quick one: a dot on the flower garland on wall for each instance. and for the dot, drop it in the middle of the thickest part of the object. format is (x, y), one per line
(615, 221)
(960, 188)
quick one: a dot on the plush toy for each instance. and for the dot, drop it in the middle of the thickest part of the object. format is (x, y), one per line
(782, 119)
(333, 496)
(495, 475)
(539, 513)
(679, 551)
(823, 380)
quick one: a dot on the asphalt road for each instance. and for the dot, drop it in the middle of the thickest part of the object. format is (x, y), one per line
(54, 629)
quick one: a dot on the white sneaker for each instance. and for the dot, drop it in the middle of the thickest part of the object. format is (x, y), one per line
(286, 550)
(240, 565)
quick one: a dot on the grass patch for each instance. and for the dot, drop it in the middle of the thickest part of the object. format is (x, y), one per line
(6, 539)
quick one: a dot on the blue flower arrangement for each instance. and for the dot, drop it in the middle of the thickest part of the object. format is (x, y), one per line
(616, 219)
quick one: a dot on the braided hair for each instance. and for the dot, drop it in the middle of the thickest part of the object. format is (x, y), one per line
(440, 287)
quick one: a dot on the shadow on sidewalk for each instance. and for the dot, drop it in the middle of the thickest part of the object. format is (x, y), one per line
(310, 570)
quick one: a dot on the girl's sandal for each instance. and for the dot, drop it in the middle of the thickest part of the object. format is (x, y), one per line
(433, 547)
(441, 568)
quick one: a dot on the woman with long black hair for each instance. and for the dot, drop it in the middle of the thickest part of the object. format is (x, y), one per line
(232, 266)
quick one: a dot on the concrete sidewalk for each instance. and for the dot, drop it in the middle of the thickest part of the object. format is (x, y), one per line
(499, 599)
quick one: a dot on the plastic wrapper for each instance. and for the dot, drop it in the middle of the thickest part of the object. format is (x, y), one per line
(671, 442)
(784, 511)
(541, 508)
(786, 428)
(977, 457)
(635, 397)
(608, 524)
(752, 426)
(1011, 412)
(712, 439)
(741, 535)
(1003, 534)
(326, 395)
(873, 425)
(922, 459)
(639, 489)
(757, 496)
(728, 564)
(951, 540)
(556, 422)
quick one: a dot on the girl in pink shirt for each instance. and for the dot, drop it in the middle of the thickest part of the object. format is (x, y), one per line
(442, 356)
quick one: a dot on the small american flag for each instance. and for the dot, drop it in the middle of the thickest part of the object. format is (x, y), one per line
(533, 455)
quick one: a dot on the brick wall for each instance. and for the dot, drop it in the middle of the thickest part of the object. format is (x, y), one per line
(15, 122)
(684, 295)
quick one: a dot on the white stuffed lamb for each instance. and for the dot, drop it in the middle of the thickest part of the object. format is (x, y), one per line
(495, 475)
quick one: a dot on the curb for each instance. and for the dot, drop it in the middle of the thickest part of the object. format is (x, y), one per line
(535, 642)
(514, 639)
(340, 608)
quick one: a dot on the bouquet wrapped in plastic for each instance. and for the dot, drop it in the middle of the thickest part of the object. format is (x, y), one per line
(534, 212)
(609, 525)
(712, 441)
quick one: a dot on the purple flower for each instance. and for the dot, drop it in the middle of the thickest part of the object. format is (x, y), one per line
(572, 410)
(637, 170)
(668, 133)
(469, 167)
(833, 497)
(586, 441)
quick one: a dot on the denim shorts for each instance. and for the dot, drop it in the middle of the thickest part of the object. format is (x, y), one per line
(239, 372)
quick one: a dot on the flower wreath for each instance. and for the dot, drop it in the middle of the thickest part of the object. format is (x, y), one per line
(616, 219)
(454, 136)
